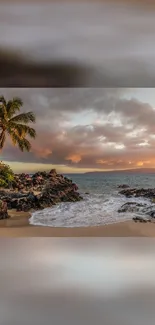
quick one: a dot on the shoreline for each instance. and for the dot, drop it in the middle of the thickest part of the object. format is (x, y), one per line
(18, 226)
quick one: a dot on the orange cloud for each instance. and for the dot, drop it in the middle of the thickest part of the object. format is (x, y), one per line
(75, 158)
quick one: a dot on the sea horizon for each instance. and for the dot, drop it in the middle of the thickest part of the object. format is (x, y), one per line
(113, 171)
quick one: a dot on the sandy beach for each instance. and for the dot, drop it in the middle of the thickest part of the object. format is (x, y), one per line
(18, 226)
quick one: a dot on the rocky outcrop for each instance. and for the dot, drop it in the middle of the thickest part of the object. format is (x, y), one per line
(3, 210)
(134, 192)
(123, 186)
(143, 212)
(140, 219)
(40, 191)
(131, 207)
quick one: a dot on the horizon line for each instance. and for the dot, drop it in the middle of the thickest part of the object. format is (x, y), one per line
(94, 171)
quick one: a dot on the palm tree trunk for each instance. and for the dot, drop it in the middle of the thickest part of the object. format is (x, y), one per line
(2, 139)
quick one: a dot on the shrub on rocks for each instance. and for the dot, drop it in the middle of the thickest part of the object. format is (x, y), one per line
(6, 175)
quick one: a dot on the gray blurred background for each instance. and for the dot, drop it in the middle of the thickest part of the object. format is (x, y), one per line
(75, 44)
(77, 281)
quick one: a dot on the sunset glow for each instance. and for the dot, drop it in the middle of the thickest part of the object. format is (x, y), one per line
(86, 130)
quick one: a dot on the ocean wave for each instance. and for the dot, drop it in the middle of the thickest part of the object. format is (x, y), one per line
(94, 210)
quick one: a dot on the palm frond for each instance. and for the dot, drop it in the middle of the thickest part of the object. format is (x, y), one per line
(2, 100)
(16, 129)
(3, 111)
(24, 144)
(21, 129)
(24, 118)
(13, 106)
(14, 139)
(15, 126)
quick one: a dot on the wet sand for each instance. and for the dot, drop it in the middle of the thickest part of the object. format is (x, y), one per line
(18, 226)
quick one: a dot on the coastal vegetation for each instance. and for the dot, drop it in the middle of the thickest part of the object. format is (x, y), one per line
(6, 175)
(24, 192)
(16, 127)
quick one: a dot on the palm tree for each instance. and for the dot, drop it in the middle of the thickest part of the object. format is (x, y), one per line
(15, 126)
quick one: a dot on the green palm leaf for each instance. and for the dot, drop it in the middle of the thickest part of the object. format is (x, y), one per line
(3, 111)
(13, 106)
(24, 145)
(16, 126)
(21, 129)
(24, 118)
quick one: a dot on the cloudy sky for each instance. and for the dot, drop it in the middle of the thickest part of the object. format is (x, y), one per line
(86, 129)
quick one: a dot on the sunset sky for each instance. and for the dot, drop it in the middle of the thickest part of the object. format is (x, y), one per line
(81, 130)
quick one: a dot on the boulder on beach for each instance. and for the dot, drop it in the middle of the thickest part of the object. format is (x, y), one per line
(131, 207)
(140, 219)
(143, 212)
(3, 210)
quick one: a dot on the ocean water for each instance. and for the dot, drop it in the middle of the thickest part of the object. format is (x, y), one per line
(100, 206)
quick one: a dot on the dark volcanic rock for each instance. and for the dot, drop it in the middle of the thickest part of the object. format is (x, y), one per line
(40, 191)
(133, 192)
(131, 207)
(3, 210)
(143, 212)
(140, 219)
(123, 186)
(152, 214)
